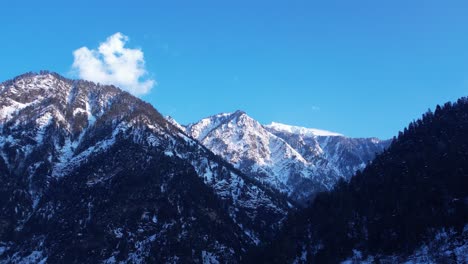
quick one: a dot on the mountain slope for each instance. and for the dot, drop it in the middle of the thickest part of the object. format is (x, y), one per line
(344, 155)
(88, 172)
(293, 160)
(409, 204)
(245, 143)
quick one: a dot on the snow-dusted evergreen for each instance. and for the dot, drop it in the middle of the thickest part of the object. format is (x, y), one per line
(294, 160)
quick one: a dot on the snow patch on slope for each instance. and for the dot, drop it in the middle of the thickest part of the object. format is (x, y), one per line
(301, 130)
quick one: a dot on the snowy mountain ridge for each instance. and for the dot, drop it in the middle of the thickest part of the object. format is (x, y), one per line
(244, 143)
(294, 160)
(300, 130)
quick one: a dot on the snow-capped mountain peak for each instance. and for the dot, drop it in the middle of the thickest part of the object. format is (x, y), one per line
(245, 143)
(241, 135)
(294, 160)
(309, 132)
(174, 122)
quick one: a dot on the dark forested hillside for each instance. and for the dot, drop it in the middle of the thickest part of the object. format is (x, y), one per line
(410, 194)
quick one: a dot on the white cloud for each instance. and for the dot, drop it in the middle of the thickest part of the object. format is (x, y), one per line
(112, 63)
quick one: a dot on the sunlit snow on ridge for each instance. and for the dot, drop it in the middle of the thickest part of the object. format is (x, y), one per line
(301, 130)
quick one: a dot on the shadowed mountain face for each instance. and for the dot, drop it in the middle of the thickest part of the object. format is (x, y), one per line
(89, 173)
(296, 161)
(410, 205)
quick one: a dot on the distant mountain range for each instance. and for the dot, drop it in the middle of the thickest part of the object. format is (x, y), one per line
(293, 160)
(91, 174)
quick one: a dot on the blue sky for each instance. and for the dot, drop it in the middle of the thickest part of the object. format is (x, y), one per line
(361, 68)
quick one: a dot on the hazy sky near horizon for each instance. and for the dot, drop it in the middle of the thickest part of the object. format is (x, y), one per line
(360, 68)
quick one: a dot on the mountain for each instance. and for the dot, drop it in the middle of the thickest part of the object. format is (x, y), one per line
(89, 173)
(343, 154)
(410, 205)
(296, 161)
